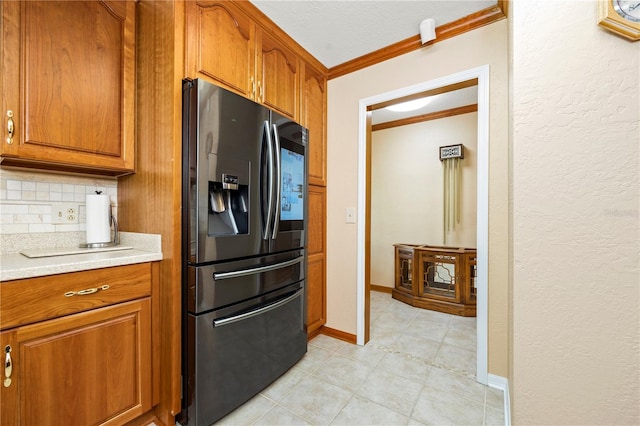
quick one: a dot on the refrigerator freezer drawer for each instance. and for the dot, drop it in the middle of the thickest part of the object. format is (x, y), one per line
(216, 286)
(232, 359)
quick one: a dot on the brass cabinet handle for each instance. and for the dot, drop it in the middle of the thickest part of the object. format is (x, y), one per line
(10, 127)
(253, 88)
(8, 366)
(85, 291)
(261, 96)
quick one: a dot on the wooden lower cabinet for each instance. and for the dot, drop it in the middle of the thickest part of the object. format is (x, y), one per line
(316, 275)
(77, 347)
(316, 295)
(83, 369)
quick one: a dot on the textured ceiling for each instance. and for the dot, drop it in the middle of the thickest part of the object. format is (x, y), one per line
(336, 31)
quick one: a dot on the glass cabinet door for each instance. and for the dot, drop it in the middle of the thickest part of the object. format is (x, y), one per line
(404, 269)
(439, 276)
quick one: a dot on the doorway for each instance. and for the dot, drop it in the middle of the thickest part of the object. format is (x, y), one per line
(363, 230)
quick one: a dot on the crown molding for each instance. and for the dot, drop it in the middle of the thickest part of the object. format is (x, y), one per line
(468, 23)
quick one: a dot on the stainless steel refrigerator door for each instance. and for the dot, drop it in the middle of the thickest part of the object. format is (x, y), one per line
(290, 224)
(225, 140)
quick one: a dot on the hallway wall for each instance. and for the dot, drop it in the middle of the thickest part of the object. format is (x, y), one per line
(576, 165)
(485, 45)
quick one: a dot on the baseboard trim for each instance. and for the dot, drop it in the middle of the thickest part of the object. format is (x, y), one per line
(341, 335)
(312, 334)
(381, 288)
(499, 382)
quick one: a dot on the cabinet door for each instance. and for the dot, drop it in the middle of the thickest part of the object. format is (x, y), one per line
(439, 276)
(88, 368)
(278, 76)
(68, 80)
(314, 103)
(316, 281)
(220, 45)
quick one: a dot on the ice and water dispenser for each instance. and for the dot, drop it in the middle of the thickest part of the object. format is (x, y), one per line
(229, 203)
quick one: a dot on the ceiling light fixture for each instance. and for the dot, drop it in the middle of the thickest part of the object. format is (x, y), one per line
(409, 105)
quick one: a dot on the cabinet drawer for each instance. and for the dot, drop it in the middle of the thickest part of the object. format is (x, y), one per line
(35, 299)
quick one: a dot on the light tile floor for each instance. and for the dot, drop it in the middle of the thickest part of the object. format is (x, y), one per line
(417, 369)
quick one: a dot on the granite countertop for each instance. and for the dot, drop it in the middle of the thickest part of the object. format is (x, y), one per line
(136, 248)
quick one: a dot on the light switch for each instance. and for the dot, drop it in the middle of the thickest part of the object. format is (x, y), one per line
(350, 215)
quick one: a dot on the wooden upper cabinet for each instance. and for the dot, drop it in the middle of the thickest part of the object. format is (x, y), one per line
(68, 80)
(314, 106)
(226, 46)
(278, 75)
(221, 45)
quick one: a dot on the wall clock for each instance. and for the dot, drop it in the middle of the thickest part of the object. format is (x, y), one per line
(621, 17)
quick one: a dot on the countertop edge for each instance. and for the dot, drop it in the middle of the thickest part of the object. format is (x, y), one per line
(15, 266)
(79, 264)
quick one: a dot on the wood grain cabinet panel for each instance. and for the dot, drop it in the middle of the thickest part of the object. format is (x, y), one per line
(89, 368)
(314, 107)
(221, 45)
(81, 359)
(316, 268)
(278, 76)
(316, 298)
(68, 80)
(36, 299)
(225, 46)
(317, 215)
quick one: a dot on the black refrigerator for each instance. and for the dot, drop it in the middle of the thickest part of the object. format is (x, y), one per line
(244, 232)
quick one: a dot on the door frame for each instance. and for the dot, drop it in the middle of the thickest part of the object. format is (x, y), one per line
(482, 211)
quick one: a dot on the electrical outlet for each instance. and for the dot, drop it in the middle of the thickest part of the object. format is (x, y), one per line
(64, 213)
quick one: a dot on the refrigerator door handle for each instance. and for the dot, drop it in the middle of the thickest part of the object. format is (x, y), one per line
(256, 312)
(258, 270)
(270, 172)
(276, 213)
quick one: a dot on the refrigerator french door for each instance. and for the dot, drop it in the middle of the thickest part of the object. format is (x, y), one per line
(244, 259)
(246, 176)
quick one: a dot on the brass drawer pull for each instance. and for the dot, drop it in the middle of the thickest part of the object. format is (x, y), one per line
(10, 127)
(85, 291)
(8, 366)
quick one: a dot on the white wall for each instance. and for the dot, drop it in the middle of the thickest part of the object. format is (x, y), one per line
(576, 164)
(407, 189)
(486, 45)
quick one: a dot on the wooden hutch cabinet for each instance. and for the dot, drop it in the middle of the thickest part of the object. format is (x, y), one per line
(437, 278)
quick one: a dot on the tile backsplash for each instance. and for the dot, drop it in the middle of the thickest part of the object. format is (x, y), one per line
(28, 198)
